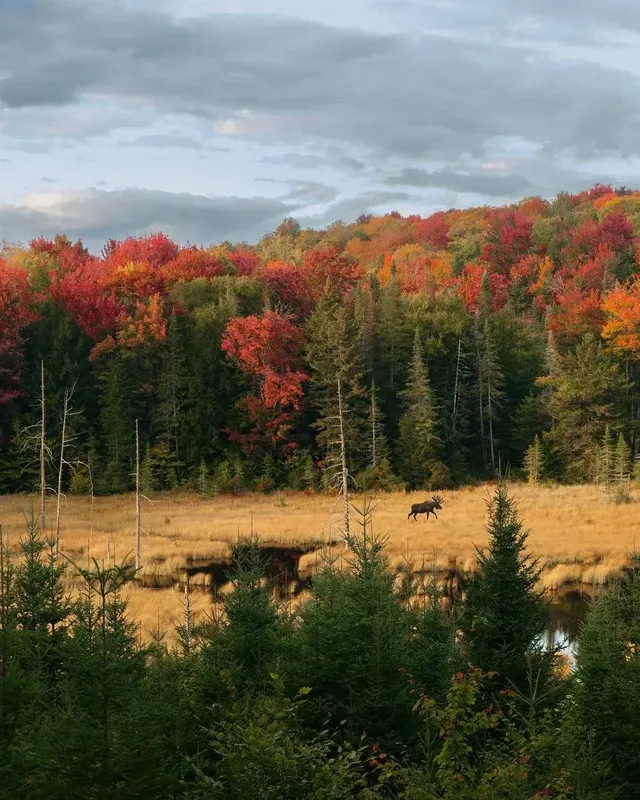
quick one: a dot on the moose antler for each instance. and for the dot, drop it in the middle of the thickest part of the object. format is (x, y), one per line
(438, 498)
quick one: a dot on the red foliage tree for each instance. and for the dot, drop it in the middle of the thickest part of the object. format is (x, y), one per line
(329, 264)
(268, 349)
(287, 286)
(16, 312)
(433, 231)
(508, 239)
(244, 261)
(194, 262)
(575, 313)
(470, 282)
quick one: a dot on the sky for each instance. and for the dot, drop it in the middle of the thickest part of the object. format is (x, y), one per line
(215, 119)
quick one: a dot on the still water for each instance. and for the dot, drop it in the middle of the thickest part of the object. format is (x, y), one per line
(567, 613)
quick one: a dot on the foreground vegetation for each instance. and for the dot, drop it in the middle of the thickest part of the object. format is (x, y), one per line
(582, 538)
(358, 693)
(465, 343)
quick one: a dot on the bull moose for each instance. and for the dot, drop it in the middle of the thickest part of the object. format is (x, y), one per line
(428, 507)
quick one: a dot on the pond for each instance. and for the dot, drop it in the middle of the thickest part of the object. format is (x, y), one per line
(568, 610)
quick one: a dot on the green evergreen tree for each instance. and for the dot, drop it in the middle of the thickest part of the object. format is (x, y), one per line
(606, 693)
(505, 614)
(583, 396)
(331, 354)
(418, 444)
(622, 469)
(605, 460)
(534, 461)
(173, 391)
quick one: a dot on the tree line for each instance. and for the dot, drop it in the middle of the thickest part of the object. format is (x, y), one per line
(361, 692)
(465, 344)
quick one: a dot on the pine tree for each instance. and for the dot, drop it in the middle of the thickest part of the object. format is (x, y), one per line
(492, 382)
(331, 354)
(418, 442)
(379, 449)
(505, 614)
(173, 390)
(583, 395)
(534, 461)
(605, 461)
(621, 469)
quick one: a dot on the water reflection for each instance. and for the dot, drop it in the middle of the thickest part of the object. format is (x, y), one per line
(568, 610)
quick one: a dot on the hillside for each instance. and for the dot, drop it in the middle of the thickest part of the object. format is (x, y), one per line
(462, 341)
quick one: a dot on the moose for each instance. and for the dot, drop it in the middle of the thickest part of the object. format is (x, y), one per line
(428, 507)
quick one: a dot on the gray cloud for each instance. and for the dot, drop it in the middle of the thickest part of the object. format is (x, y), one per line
(482, 184)
(349, 208)
(172, 140)
(410, 96)
(570, 21)
(97, 215)
(313, 161)
(305, 193)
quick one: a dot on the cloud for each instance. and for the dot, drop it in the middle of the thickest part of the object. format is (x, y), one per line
(305, 193)
(314, 160)
(97, 215)
(174, 140)
(570, 21)
(488, 184)
(282, 79)
(350, 208)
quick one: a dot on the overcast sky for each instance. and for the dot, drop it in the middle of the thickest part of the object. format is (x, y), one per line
(211, 119)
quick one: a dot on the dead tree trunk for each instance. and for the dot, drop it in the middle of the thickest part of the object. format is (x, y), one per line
(138, 529)
(343, 461)
(43, 455)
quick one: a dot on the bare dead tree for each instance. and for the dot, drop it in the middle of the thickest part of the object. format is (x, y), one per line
(43, 453)
(34, 439)
(64, 441)
(343, 460)
(138, 528)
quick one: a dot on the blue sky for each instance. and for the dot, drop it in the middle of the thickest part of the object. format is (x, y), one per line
(214, 119)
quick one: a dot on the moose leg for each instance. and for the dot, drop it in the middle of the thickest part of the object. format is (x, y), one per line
(434, 514)
(427, 517)
(409, 514)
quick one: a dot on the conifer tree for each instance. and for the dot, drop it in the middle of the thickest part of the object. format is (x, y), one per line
(379, 449)
(491, 385)
(505, 614)
(621, 469)
(173, 390)
(534, 461)
(584, 395)
(418, 440)
(605, 460)
(331, 354)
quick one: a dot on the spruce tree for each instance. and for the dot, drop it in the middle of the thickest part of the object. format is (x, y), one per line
(605, 711)
(583, 395)
(379, 450)
(491, 382)
(534, 461)
(621, 469)
(505, 614)
(605, 460)
(173, 390)
(418, 442)
(332, 354)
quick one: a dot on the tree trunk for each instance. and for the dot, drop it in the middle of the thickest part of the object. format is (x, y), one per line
(343, 459)
(138, 529)
(43, 454)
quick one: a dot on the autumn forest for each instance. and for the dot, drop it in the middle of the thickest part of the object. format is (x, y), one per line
(467, 343)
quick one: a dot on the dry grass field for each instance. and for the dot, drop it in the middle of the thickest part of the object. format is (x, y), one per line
(580, 536)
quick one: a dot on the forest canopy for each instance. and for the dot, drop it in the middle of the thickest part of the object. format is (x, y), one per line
(466, 342)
